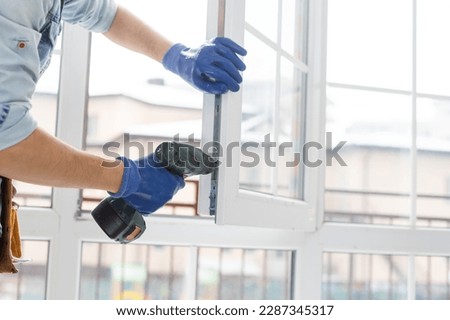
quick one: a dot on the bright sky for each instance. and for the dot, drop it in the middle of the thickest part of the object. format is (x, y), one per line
(369, 44)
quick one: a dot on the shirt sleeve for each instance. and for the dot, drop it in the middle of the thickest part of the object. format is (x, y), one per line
(94, 15)
(16, 124)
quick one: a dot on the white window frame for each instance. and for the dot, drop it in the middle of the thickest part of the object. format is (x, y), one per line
(66, 233)
(246, 208)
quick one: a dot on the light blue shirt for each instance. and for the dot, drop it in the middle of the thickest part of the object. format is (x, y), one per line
(28, 32)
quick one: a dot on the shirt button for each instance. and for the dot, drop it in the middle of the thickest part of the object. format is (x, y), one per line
(21, 45)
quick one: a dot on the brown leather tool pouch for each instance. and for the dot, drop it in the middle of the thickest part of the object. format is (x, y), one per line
(10, 244)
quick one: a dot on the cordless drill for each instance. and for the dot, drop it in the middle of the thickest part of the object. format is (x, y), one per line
(123, 223)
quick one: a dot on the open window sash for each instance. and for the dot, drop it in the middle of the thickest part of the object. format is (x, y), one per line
(224, 197)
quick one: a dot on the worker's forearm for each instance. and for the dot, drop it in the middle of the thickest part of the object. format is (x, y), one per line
(132, 33)
(42, 159)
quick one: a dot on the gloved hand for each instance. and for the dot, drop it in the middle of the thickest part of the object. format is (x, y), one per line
(146, 185)
(213, 67)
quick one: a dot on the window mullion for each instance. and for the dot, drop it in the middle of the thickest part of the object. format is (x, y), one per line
(413, 197)
(276, 109)
(73, 90)
(192, 273)
(65, 247)
(413, 217)
(308, 261)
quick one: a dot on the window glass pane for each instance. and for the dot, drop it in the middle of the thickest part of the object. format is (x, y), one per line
(364, 276)
(44, 101)
(433, 170)
(374, 187)
(369, 43)
(294, 28)
(133, 272)
(292, 102)
(136, 102)
(432, 278)
(257, 114)
(111, 271)
(31, 281)
(263, 15)
(433, 49)
(229, 274)
(273, 104)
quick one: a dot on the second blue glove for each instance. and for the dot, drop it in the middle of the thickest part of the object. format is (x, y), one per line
(213, 67)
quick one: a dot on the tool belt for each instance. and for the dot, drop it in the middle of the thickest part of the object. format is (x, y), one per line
(10, 244)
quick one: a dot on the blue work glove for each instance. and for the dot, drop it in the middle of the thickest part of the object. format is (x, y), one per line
(213, 67)
(146, 185)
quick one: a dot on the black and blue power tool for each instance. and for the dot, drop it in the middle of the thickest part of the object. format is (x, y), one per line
(123, 223)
